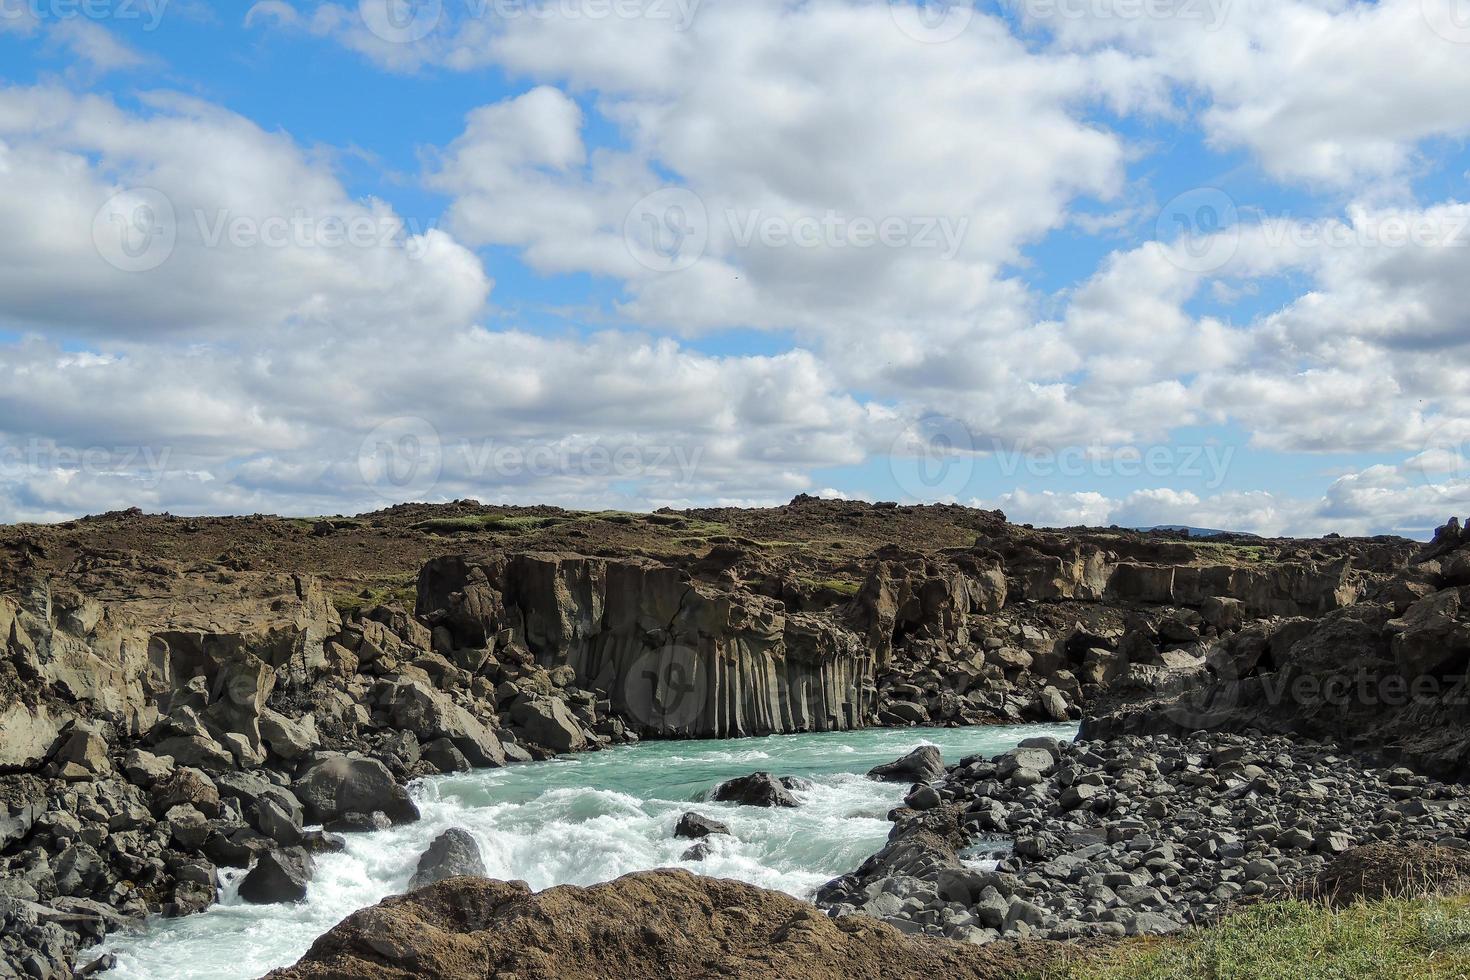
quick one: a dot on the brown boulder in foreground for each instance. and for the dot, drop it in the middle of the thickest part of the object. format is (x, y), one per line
(665, 923)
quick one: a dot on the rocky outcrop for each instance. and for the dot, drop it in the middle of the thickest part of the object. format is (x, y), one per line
(1387, 677)
(453, 854)
(651, 924)
(757, 789)
(674, 656)
(923, 764)
(279, 876)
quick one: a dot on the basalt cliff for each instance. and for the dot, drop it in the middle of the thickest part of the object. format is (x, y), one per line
(180, 695)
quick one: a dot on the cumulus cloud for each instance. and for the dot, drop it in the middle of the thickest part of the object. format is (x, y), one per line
(184, 279)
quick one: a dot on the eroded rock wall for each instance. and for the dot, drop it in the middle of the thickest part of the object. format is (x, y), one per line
(679, 657)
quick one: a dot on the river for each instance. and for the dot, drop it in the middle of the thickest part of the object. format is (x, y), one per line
(579, 820)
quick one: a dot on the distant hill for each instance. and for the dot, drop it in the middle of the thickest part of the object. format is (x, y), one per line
(1196, 532)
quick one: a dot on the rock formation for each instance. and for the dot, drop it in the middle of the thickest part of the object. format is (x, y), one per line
(651, 924)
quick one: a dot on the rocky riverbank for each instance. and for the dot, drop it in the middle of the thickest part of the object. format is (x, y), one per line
(182, 695)
(1135, 835)
(651, 924)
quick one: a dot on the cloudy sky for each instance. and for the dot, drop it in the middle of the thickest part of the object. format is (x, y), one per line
(1089, 261)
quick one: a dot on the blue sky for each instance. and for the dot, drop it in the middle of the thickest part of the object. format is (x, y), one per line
(1284, 370)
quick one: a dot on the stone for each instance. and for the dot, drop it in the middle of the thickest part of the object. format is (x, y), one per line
(279, 876)
(286, 738)
(452, 854)
(694, 826)
(924, 764)
(86, 748)
(547, 722)
(444, 757)
(143, 768)
(1077, 796)
(1054, 703)
(343, 784)
(186, 786)
(757, 789)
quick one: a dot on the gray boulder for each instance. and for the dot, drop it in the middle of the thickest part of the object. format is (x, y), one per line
(279, 876)
(757, 789)
(342, 784)
(694, 826)
(924, 764)
(453, 854)
(547, 722)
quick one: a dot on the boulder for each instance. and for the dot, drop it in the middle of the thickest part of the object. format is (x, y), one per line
(86, 748)
(444, 757)
(547, 722)
(757, 789)
(694, 826)
(144, 768)
(22, 800)
(415, 706)
(1054, 703)
(344, 784)
(454, 853)
(186, 786)
(924, 764)
(286, 738)
(279, 876)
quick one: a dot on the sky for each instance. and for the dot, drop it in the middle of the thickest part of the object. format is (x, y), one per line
(1128, 262)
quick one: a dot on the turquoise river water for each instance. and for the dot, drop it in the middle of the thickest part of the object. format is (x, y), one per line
(580, 820)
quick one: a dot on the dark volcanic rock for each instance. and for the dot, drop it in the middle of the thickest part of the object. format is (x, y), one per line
(1148, 834)
(924, 764)
(340, 785)
(1385, 677)
(757, 789)
(452, 854)
(279, 876)
(694, 826)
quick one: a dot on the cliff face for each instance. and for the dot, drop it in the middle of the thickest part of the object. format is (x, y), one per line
(682, 658)
(1388, 675)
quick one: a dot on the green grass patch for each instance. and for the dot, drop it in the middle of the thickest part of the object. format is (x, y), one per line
(513, 523)
(842, 586)
(1393, 939)
(406, 594)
